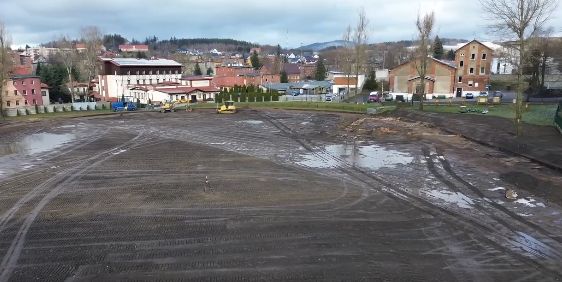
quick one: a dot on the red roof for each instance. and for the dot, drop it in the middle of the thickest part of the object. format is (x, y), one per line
(44, 85)
(187, 90)
(197, 77)
(130, 47)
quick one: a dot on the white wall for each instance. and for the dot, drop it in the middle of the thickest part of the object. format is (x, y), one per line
(117, 85)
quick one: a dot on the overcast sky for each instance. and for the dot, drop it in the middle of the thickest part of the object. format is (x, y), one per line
(286, 22)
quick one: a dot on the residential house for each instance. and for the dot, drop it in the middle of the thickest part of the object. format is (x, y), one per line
(80, 90)
(473, 61)
(133, 48)
(119, 75)
(45, 96)
(439, 80)
(343, 83)
(23, 90)
(293, 72)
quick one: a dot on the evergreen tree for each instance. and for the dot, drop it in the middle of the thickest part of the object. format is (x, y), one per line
(255, 60)
(197, 70)
(451, 55)
(210, 71)
(438, 51)
(38, 69)
(284, 78)
(320, 74)
(371, 82)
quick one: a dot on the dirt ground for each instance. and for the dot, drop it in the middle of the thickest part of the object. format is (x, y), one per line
(269, 196)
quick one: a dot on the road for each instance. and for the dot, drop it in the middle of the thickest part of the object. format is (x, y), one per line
(266, 195)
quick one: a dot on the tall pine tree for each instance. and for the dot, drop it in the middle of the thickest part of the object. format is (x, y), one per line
(284, 77)
(451, 55)
(255, 60)
(438, 51)
(197, 70)
(320, 74)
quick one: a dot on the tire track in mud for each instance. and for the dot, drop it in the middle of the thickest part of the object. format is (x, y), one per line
(550, 265)
(58, 184)
(448, 168)
(543, 250)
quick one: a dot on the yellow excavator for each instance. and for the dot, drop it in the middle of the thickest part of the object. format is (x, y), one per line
(227, 108)
(173, 106)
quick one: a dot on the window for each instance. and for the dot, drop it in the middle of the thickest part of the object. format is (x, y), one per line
(473, 56)
(24, 92)
(34, 102)
(7, 103)
(32, 91)
(157, 71)
(150, 72)
(128, 72)
(176, 72)
(17, 102)
(157, 80)
(43, 93)
(471, 71)
(26, 102)
(138, 72)
(470, 83)
(33, 82)
(482, 70)
(460, 79)
(23, 82)
(138, 81)
(128, 82)
(7, 92)
(150, 80)
(143, 72)
(462, 54)
(462, 64)
(484, 56)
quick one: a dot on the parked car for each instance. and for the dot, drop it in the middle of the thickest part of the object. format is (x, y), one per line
(294, 92)
(328, 98)
(374, 97)
(483, 94)
(498, 94)
(387, 96)
(469, 96)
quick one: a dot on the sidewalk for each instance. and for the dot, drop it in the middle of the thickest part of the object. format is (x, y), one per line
(542, 144)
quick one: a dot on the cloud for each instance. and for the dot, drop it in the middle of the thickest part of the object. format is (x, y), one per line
(289, 22)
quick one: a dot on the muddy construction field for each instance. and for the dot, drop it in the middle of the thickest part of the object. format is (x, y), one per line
(269, 196)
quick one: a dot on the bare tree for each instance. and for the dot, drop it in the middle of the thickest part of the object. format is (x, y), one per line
(93, 39)
(5, 63)
(347, 54)
(360, 44)
(521, 20)
(424, 26)
(67, 56)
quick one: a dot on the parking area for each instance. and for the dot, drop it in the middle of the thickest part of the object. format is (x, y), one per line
(268, 195)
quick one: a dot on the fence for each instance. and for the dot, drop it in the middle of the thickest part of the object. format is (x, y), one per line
(558, 117)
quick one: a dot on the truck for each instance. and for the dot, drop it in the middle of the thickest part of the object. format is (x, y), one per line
(123, 106)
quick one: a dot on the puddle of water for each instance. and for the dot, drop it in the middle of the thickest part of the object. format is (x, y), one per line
(253, 122)
(37, 143)
(532, 245)
(496, 189)
(532, 203)
(120, 152)
(369, 157)
(456, 198)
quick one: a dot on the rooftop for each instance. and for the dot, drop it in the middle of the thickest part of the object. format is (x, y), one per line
(143, 62)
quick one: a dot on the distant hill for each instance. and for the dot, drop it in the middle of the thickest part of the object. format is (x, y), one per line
(325, 45)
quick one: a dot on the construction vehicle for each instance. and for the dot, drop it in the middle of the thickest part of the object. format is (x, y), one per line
(174, 106)
(227, 108)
